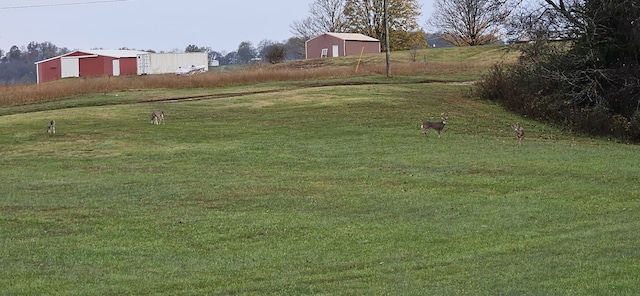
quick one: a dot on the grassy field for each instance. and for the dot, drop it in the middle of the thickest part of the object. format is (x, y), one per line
(310, 187)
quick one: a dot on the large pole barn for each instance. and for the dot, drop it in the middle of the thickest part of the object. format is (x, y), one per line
(88, 63)
(340, 44)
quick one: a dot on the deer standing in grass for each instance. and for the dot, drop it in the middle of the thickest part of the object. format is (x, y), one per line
(437, 126)
(519, 132)
(157, 116)
(51, 129)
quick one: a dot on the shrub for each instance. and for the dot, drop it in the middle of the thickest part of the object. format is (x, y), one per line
(562, 88)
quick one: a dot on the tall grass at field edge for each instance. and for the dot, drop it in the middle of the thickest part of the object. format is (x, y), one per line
(466, 64)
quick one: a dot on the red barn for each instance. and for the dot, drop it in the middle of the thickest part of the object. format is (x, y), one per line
(87, 63)
(340, 44)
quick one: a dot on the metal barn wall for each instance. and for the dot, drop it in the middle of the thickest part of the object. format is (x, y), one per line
(355, 47)
(163, 63)
(314, 46)
(96, 66)
(128, 66)
(49, 70)
(103, 66)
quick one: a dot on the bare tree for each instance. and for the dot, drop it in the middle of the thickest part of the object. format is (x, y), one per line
(541, 21)
(262, 47)
(325, 16)
(472, 22)
(271, 51)
(275, 53)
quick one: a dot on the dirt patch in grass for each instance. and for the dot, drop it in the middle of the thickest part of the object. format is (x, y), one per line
(306, 85)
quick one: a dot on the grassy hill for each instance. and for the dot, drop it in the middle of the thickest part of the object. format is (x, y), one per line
(311, 186)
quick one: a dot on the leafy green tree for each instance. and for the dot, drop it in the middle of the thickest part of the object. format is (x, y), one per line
(37, 51)
(195, 48)
(15, 54)
(17, 65)
(295, 48)
(246, 52)
(229, 58)
(367, 17)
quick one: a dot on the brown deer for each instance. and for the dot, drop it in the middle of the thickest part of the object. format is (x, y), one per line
(438, 126)
(51, 129)
(519, 132)
(157, 117)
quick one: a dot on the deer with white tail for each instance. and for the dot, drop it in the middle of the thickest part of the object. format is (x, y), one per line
(519, 132)
(51, 129)
(437, 126)
(157, 117)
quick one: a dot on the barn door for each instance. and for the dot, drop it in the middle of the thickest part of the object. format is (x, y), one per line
(116, 67)
(143, 62)
(335, 52)
(70, 67)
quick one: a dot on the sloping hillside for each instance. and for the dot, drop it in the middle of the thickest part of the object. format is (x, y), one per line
(320, 185)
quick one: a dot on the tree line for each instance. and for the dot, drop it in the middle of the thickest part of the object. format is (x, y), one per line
(17, 64)
(353, 16)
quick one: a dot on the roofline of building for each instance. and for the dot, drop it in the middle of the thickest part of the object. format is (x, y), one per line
(95, 53)
(333, 34)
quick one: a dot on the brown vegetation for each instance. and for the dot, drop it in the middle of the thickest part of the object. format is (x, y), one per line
(299, 70)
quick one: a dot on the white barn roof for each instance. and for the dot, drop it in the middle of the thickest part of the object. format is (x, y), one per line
(352, 36)
(119, 53)
(114, 53)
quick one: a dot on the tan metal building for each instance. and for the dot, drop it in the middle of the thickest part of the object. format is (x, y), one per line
(340, 44)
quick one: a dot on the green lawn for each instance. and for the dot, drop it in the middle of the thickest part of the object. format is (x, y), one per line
(322, 190)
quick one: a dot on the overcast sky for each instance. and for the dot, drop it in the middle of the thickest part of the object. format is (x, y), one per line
(152, 24)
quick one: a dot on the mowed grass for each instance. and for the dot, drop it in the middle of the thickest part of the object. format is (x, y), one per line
(321, 190)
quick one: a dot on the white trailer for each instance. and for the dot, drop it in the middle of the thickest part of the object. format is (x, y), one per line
(175, 63)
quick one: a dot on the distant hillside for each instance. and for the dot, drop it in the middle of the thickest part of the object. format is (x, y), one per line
(434, 40)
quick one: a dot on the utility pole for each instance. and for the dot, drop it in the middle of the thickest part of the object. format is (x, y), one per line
(386, 37)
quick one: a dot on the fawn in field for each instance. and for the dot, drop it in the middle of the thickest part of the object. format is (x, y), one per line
(438, 126)
(157, 116)
(51, 129)
(519, 132)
